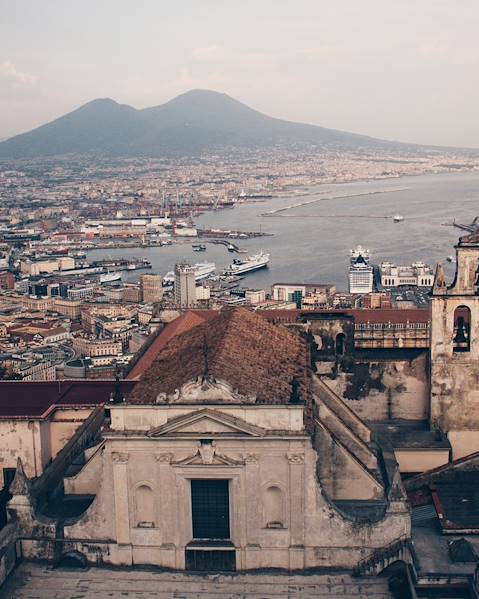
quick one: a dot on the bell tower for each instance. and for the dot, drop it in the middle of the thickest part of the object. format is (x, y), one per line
(455, 350)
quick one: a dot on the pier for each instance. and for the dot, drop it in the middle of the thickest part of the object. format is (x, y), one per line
(277, 211)
(122, 263)
(231, 246)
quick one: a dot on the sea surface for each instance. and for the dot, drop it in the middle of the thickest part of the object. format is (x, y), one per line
(311, 243)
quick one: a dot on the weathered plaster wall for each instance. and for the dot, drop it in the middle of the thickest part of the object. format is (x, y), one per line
(87, 481)
(341, 475)
(36, 442)
(22, 438)
(384, 389)
(420, 460)
(138, 417)
(63, 424)
(455, 375)
(325, 332)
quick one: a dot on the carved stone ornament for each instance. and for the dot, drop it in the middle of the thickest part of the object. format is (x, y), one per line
(207, 452)
(164, 458)
(207, 455)
(295, 458)
(251, 458)
(119, 457)
(207, 390)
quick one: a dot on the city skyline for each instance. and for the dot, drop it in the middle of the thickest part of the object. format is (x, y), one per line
(394, 72)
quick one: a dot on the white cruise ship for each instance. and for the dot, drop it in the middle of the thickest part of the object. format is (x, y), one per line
(360, 274)
(238, 267)
(358, 251)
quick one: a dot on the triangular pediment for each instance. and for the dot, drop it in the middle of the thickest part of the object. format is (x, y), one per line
(207, 422)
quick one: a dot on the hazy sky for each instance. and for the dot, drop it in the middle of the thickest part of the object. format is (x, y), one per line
(397, 69)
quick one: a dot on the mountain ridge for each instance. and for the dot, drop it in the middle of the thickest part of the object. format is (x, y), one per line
(191, 123)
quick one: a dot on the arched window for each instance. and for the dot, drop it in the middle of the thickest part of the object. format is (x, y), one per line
(274, 507)
(340, 343)
(462, 329)
(145, 507)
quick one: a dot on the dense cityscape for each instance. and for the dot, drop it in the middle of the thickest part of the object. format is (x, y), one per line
(62, 316)
(239, 350)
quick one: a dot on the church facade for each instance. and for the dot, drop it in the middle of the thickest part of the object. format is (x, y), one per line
(229, 454)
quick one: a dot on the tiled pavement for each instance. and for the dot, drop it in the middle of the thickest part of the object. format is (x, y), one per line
(35, 581)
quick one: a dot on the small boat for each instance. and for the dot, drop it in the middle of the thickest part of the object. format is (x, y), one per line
(398, 218)
(231, 248)
(451, 259)
(198, 247)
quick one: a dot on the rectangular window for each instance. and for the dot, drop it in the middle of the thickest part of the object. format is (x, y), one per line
(210, 509)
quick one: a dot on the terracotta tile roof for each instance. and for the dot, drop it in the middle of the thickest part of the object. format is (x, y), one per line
(183, 323)
(24, 400)
(242, 348)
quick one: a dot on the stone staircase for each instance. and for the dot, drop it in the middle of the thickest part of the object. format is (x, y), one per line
(37, 581)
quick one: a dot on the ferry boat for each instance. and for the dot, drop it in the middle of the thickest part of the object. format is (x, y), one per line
(248, 264)
(398, 218)
(204, 269)
(109, 277)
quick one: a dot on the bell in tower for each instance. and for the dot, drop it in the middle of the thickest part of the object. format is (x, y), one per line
(461, 337)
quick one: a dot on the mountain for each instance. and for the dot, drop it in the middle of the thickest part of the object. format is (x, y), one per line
(191, 123)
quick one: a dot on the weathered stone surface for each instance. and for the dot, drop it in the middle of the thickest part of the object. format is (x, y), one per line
(455, 367)
(31, 581)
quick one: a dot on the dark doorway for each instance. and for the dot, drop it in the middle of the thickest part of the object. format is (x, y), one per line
(210, 509)
(5, 495)
(340, 344)
(210, 560)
